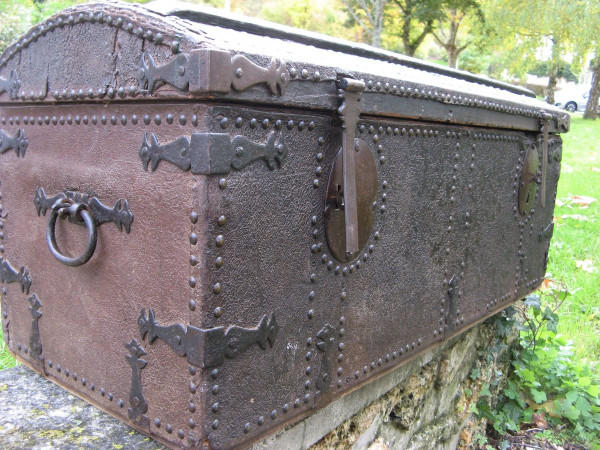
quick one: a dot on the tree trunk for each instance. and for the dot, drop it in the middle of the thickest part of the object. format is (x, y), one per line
(553, 77)
(452, 57)
(591, 110)
(552, 81)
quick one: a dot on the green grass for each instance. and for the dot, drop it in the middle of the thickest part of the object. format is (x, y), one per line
(579, 240)
(6, 359)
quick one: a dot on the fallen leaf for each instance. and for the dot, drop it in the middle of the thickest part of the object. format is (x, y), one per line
(583, 200)
(595, 169)
(559, 202)
(575, 217)
(548, 284)
(587, 265)
(539, 419)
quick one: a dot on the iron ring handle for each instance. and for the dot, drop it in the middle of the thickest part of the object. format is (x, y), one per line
(77, 210)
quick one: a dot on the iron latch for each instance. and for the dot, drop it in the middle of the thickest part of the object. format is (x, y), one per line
(545, 124)
(352, 185)
(350, 92)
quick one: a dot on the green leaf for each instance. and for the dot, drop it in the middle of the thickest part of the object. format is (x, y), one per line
(538, 396)
(475, 373)
(584, 381)
(528, 375)
(583, 406)
(566, 409)
(572, 396)
(485, 391)
(593, 390)
(533, 301)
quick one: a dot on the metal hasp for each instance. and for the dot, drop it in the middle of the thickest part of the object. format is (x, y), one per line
(350, 92)
(545, 119)
(352, 185)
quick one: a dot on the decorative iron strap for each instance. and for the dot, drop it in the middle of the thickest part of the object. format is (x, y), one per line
(11, 85)
(18, 142)
(325, 345)
(209, 70)
(120, 214)
(8, 274)
(212, 153)
(547, 232)
(35, 341)
(139, 405)
(208, 348)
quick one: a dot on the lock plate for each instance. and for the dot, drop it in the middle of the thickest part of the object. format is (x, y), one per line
(365, 172)
(529, 180)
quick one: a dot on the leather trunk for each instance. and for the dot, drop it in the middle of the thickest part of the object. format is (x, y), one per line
(213, 227)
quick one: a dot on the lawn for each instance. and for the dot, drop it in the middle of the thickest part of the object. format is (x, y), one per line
(575, 248)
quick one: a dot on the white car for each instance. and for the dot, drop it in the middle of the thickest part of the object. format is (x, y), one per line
(573, 98)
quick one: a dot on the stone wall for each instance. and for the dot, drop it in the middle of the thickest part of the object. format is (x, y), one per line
(425, 404)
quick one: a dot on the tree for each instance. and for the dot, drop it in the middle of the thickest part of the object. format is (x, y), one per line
(417, 18)
(590, 35)
(369, 14)
(591, 109)
(524, 28)
(456, 12)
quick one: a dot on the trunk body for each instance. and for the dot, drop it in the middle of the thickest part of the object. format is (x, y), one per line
(271, 233)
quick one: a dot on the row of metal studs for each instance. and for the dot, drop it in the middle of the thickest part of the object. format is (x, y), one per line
(92, 17)
(426, 94)
(301, 125)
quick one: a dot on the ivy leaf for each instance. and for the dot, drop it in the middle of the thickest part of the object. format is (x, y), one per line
(485, 391)
(475, 373)
(538, 396)
(533, 301)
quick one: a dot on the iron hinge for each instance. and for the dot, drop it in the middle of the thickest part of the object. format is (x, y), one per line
(210, 70)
